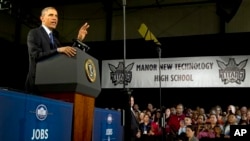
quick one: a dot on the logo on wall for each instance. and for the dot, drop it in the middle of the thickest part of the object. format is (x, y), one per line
(109, 119)
(117, 73)
(232, 72)
(90, 70)
(41, 112)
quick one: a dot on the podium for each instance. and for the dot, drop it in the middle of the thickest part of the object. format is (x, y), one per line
(72, 79)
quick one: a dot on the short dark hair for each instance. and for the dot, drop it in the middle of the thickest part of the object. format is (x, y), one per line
(192, 127)
(44, 10)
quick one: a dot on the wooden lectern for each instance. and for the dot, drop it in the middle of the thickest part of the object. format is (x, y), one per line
(75, 80)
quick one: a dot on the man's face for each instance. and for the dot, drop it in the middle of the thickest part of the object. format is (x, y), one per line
(50, 18)
(213, 119)
(150, 106)
(179, 109)
(243, 110)
(189, 132)
(173, 111)
(136, 106)
(132, 101)
(187, 121)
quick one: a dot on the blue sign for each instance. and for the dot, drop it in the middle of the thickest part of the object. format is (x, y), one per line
(25, 117)
(107, 125)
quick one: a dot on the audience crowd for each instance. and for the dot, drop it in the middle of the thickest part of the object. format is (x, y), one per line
(178, 123)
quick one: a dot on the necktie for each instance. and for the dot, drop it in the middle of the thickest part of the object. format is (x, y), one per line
(51, 39)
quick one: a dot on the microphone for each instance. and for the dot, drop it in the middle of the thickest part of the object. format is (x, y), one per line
(81, 45)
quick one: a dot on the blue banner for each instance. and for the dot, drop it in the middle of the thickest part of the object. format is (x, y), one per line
(107, 125)
(25, 117)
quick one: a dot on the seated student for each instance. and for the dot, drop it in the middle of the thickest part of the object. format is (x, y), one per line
(156, 127)
(218, 133)
(145, 133)
(182, 131)
(182, 128)
(231, 120)
(206, 132)
(190, 132)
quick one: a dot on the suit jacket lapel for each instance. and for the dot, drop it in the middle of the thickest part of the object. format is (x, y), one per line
(44, 33)
(46, 36)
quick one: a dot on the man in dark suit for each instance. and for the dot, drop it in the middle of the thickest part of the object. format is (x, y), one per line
(41, 45)
(135, 133)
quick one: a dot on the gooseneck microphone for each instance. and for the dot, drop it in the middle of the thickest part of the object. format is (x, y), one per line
(80, 45)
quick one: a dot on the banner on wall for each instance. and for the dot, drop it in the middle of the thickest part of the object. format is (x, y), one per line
(215, 71)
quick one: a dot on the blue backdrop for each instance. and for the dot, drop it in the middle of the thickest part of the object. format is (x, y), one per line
(107, 125)
(26, 117)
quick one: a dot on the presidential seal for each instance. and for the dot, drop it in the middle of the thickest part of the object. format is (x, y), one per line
(109, 119)
(90, 70)
(41, 112)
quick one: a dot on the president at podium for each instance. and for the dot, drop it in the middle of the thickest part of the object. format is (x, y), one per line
(42, 43)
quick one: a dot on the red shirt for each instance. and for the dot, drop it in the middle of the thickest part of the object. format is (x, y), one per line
(156, 128)
(174, 123)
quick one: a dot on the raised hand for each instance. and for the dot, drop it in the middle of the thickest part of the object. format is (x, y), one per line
(83, 32)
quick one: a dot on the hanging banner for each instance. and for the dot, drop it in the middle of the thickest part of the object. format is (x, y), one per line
(215, 71)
